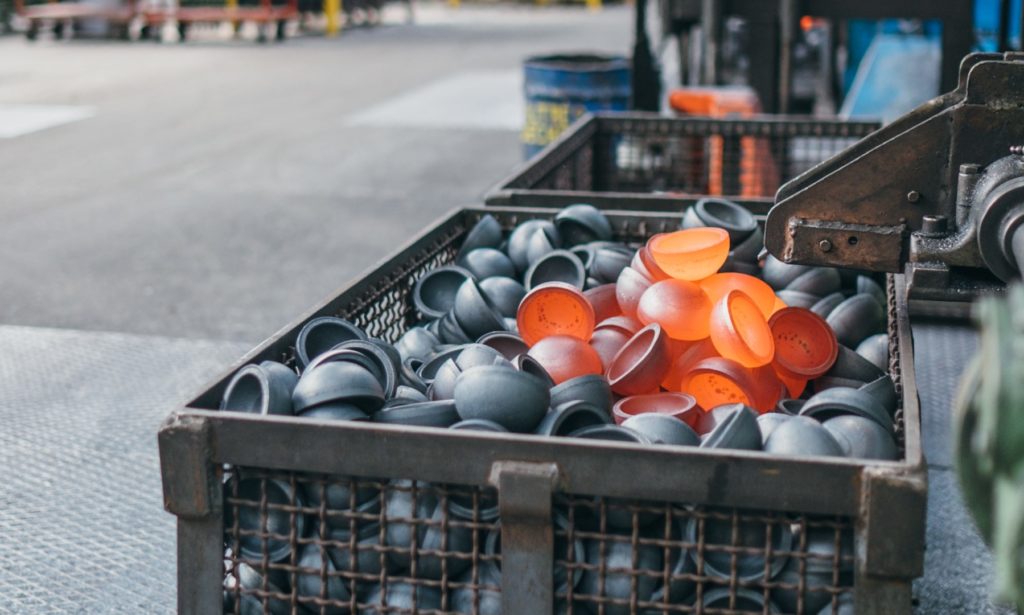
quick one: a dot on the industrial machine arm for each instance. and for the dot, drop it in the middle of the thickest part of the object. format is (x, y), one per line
(937, 194)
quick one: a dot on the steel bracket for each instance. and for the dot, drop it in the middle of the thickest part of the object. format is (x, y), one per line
(527, 535)
(191, 486)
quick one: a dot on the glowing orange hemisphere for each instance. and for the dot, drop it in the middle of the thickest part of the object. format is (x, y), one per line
(716, 286)
(602, 299)
(805, 345)
(740, 332)
(716, 381)
(565, 357)
(690, 254)
(680, 307)
(628, 289)
(554, 308)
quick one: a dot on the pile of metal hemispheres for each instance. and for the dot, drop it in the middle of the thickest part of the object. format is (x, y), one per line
(466, 367)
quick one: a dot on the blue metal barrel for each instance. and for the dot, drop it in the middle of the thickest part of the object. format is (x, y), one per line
(561, 88)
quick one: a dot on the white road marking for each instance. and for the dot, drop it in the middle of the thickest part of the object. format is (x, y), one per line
(484, 100)
(18, 120)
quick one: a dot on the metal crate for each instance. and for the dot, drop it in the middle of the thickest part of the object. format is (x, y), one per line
(639, 161)
(438, 513)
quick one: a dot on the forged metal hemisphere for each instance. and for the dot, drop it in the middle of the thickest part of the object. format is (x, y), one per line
(750, 532)
(364, 556)
(439, 413)
(591, 388)
(541, 242)
(839, 401)
(312, 583)
(819, 281)
(851, 366)
(990, 438)
(401, 597)
(475, 313)
(485, 263)
(556, 266)
(745, 601)
(857, 318)
(338, 493)
(608, 263)
(513, 399)
(251, 579)
(820, 563)
(272, 520)
(518, 241)
(339, 381)
(876, 349)
(583, 223)
(570, 417)
(261, 389)
(884, 390)
(528, 365)
(478, 425)
(826, 304)
(321, 334)
(769, 421)
(505, 293)
(737, 429)
(618, 562)
(509, 344)
(802, 436)
(663, 429)
(434, 293)
(735, 219)
(417, 342)
(486, 233)
(862, 438)
(424, 512)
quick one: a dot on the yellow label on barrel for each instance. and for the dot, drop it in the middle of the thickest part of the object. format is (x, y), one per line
(545, 121)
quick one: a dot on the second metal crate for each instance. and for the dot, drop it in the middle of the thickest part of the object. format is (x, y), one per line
(639, 161)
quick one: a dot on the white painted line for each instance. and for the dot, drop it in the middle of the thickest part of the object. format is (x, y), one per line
(18, 120)
(483, 100)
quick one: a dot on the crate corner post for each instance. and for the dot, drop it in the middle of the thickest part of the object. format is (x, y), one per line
(192, 493)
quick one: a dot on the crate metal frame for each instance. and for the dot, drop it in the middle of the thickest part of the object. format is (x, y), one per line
(566, 171)
(886, 499)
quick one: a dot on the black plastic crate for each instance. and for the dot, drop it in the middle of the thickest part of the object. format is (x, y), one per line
(647, 162)
(481, 522)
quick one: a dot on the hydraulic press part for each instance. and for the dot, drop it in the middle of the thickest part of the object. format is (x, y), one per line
(937, 194)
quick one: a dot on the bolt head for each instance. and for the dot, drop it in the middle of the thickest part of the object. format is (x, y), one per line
(825, 245)
(913, 196)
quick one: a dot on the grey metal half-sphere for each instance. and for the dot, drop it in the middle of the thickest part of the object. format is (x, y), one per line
(664, 429)
(513, 399)
(862, 438)
(802, 436)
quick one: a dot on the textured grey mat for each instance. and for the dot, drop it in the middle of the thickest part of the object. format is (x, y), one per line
(957, 565)
(82, 526)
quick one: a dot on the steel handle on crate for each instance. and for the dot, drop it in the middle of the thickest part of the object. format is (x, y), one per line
(527, 535)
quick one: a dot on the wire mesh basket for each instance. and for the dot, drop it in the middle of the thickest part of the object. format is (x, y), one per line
(639, 161)
(292, 515)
